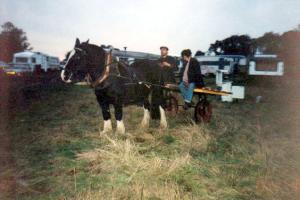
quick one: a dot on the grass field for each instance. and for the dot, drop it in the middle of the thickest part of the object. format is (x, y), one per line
(248, 151)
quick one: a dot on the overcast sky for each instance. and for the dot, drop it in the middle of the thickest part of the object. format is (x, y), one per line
(144, 25)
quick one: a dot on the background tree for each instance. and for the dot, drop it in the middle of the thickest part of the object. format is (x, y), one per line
(297, 28)
(199, 53)
(12, 40)
(234, 45)
(269, 43)
(290, 47)
(286, 46)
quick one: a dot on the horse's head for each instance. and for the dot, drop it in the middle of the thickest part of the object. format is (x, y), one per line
(76, 68)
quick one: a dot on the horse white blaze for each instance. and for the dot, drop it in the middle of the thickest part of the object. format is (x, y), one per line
(146, 118)
(107, 127)
(163, 119)
(72, 53)
(120, 127)
(62, 74)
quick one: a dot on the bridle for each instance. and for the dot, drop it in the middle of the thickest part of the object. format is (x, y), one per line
(104, 75)
(109, 62)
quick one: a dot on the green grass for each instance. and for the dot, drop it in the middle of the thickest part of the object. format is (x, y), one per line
(60, 153)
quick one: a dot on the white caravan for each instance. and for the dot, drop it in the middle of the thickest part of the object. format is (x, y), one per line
(35, 60)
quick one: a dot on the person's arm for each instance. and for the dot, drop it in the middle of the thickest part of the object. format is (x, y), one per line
(197, 67)
(181, 71)
(170, 63)
(166, 64)
(198, 76)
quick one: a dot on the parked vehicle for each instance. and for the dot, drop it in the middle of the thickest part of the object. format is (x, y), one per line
(36, 61)
(267, 65)
(132, 56)
(129, 57)
(18, 70)
(210, 64)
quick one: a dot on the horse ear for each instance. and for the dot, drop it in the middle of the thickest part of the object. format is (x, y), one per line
(87, 41)
(77, 42)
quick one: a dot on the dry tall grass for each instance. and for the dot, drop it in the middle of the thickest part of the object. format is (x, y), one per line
(135, 172)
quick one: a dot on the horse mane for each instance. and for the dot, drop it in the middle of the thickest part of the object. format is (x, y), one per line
(96, 58)
(100, 52)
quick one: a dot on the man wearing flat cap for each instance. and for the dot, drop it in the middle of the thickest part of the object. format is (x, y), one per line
(168, 65)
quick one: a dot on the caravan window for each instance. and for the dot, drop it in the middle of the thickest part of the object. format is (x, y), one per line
(266, 64)
(33, 60)
(21, 59)
(212, 63)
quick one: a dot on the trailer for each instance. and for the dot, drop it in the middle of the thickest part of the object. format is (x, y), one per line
(129, 57)
(210, 64)
(36, 61)
(259, 65)
(266, 65)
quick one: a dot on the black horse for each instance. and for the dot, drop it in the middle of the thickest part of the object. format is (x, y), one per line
(111, 80)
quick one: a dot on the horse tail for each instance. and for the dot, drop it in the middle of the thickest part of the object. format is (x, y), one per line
(156, 101)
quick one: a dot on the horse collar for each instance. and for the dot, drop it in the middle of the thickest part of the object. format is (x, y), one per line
(105, 74)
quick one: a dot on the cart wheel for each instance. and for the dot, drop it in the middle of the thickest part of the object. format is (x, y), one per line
(172, 105)
(203, 111)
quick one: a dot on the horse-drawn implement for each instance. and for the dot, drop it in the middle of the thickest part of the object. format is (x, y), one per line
(202, 108)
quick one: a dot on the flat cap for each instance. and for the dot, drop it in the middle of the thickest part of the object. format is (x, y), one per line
(164, 47)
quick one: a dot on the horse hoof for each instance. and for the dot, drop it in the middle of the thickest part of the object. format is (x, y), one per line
(122, 132)
(107, 127)
(144, 126)
(120, 127)
(163, 126)
(105, 132)
(146, 119)
(163, 119)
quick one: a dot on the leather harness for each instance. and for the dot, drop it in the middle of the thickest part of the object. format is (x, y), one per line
(108, 72)
(105, 74)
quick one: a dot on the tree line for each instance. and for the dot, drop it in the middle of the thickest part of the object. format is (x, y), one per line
(286, 45)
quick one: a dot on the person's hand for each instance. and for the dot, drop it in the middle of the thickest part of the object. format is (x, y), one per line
(166, 64)
(161, 65)
(186, 84)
